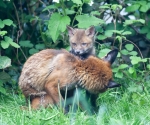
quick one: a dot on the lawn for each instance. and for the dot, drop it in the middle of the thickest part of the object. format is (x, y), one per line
(127, 105)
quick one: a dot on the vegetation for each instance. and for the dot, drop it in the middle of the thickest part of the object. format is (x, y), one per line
(28, 26)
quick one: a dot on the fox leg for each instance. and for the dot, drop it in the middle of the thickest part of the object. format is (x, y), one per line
(53, 90)
(50, 95)
(92, 98)
(41, 101)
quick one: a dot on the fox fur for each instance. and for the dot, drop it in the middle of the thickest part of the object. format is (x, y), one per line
(47, 71)
(81, 41)
(82, 46)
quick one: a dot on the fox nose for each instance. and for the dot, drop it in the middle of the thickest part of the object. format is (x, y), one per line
(77, 52)
(112, 84)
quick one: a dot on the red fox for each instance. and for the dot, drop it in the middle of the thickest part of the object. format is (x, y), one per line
(82, 41)
(82, 46)
(48, 71)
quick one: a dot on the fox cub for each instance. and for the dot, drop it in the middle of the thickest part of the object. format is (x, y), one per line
(48, 71)
(82, 46)
(81, 41)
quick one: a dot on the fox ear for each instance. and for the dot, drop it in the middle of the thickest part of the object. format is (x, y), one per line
(112, 84)
(90, 31)
(70, 31)
(111, 56)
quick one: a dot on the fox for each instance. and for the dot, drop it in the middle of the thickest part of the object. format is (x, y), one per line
(82, 46)
(47, 72)
(82, 41)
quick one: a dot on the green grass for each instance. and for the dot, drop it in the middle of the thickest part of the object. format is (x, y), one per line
(127, 105)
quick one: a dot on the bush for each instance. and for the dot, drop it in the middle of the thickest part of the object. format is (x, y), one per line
(29, 26)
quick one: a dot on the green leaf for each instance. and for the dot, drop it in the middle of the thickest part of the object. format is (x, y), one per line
(148, 24)
(123, 66)
(40, 46)
(142, 2)
(118, 32)
(8, 39)
(68, 12)
(129, 47)
(2, 33)
(148, 35)
(132, 89)
(4, 76)
(1, 24)
(86, 21)
(101, 37)
(77, 1)
(116, 6)
(108, 33)
(124, 52)
(99, 29)
(144, 8)
(57, 24)
(14, 44)
(49, 7)
(126, 33)
(67, 48)
(144, 29)
(119, 38)
(4, 62)
(86, 1)
(119, 75)
(3, 4)
(148, 66)
(135, 59)
(8, 22)
(129, 22)
(119, 55)
(144, 60)
(148, 4)
(3, 90)
(133, 53)
(103, 52)
(141, 21)
(131, 70)
(132, 8)
(97, 13)
(4, 44)
(33, 51)
(115, 69)
(26, 43)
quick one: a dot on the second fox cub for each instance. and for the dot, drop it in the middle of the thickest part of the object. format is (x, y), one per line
(82, 46)
(50, 70)
(82, 41)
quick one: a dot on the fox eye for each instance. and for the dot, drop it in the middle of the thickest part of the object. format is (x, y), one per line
(83, 44)
(74, 44)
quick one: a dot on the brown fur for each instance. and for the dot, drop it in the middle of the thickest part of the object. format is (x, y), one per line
(81, 41)
(48, 69)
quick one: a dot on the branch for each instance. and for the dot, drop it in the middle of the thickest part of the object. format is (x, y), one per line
(19, 33)
(45, 5)
(123, 18)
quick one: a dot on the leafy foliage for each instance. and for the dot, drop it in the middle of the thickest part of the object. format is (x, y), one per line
(58, 23)
(86, 21)
(29, 26)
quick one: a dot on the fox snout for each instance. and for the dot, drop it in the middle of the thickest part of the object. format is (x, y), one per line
(112, 84)
(78, 52)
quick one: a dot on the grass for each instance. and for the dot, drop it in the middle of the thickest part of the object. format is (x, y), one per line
(127, 105)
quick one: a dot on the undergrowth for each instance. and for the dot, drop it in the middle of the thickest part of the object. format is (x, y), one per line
(121, 106)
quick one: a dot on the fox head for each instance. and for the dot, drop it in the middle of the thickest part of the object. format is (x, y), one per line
(81, 41)
(110, 58)
(97, 74)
